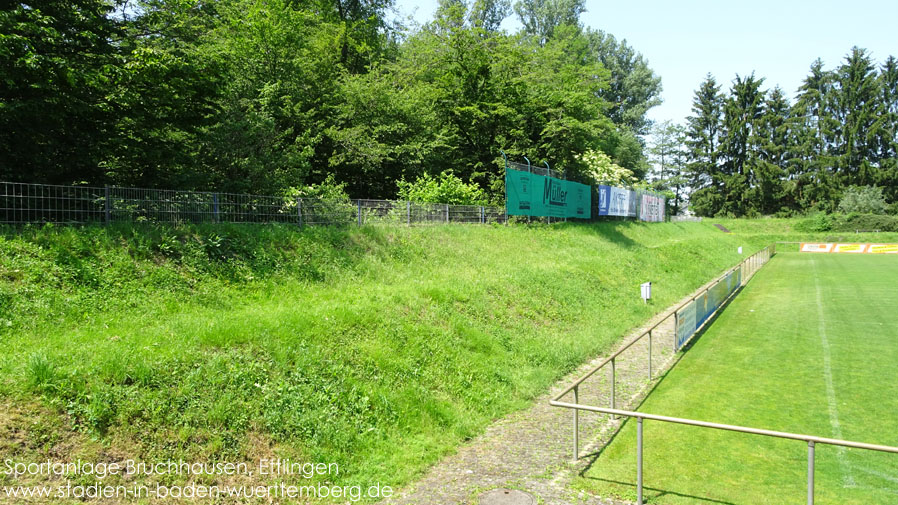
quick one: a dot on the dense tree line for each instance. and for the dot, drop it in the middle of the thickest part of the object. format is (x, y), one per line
(748, 151)
(264, 95)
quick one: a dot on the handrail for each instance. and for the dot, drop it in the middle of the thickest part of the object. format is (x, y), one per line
(632, 341)
(729, 427)
(640, 417)
(754, 261)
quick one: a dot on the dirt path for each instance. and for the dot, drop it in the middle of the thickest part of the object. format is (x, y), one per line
(532, 450)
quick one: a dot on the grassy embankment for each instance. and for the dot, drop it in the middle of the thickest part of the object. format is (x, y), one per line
(380, 349)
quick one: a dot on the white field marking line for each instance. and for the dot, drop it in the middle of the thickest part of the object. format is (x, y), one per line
(830, 389)
(877, 473)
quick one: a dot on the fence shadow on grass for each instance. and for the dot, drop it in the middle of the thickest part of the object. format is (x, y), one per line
(593, 457)
(654, 494)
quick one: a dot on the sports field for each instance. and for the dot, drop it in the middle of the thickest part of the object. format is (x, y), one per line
(809, 346)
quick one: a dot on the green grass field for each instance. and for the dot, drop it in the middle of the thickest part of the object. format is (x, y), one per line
(809, 346)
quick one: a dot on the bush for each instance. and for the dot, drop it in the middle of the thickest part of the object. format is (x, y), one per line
(867, 222)
(815, 223)
(447, 188)
(863, 200)
(325, 203)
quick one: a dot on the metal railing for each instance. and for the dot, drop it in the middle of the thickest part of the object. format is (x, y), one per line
(22, 203)
(749, 267)
(810, 439)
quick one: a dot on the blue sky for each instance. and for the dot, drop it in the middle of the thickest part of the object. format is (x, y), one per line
(778, 40)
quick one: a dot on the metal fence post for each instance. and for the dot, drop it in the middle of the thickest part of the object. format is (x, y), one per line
(650, 354)
(810, 472)
(613, 384)
(576, 423)
(107, 206)
(677, 329)
(299, 210)
(639, 461)
(359, 212)
(447, 212)
(215, 216)
(482, 215)
(408, 212)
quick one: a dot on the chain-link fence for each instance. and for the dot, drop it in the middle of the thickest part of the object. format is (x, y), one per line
(536, 169)
(43, 203)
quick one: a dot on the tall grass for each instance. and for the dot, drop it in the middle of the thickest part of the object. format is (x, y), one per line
(377, 348)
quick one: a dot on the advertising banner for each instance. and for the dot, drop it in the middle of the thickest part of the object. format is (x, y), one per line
(825, 248)
(651, 208)
(694, 314)
(883, 249)
(850, 248)
(633, 208)
(685, 323)
(540, 196)
(614, 201)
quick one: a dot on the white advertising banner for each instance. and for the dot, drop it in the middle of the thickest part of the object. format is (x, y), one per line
(823, 248)
(614, 201)
(651, 208)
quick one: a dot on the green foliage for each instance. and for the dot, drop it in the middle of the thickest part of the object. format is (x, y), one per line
(752, 152)
(863, 200)
(668, 153)
(599, 169)
(446, 188)
(260, 96)
(851, 223)
(817, 223)
(866, 222)
(58, 64)
(329, 189)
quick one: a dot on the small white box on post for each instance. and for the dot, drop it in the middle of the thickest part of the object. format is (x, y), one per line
(646, 291)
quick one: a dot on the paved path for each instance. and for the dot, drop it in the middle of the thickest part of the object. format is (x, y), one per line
(532, 450)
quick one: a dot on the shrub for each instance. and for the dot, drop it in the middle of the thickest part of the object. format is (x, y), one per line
(447, 188)
(867, 222)
(325, 203)
(863, 200)
(600, 169)
(815, 223)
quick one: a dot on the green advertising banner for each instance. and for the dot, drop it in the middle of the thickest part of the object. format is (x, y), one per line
(540, 196)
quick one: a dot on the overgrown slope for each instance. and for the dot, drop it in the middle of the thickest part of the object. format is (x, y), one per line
(377, 348)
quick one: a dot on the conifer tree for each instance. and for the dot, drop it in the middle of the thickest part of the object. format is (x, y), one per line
(854, 106)
(886, 129)
(702, 144)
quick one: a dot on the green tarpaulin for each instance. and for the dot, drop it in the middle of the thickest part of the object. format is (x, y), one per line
(540, 196)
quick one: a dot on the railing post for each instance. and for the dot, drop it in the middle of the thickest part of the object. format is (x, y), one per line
(299, 210)
(613, 384)
(482, 215)
(650, 355)
(638, 461)
(359, 213)
(447, 212)
(810, 472)
(677, 329)
(408, 212)
(107, 206)
(215, 216)
(576, 423)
